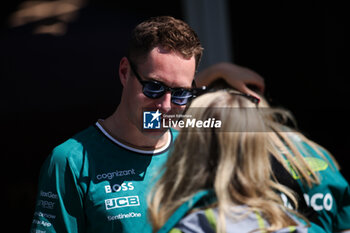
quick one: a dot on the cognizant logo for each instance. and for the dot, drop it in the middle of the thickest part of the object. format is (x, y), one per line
(111, 175)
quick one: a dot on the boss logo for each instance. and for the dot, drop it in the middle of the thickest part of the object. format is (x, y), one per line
(121, 202)
(118, 187)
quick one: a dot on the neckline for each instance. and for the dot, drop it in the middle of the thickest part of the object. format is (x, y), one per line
(148, 152)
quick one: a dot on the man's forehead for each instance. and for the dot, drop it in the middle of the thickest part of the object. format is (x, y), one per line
(169, 68)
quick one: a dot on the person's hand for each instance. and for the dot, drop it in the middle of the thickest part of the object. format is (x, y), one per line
(236, 76)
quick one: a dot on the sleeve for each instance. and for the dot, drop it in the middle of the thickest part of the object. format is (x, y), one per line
(59, 206)
(342, 190)
(342, 218)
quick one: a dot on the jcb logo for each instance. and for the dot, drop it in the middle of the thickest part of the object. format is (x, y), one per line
(120, 202)
(319, 201)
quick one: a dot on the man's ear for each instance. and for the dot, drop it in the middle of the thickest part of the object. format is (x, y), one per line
(124, 70)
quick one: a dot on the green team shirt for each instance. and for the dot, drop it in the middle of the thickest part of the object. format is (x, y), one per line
(331, 198)
(93, 183)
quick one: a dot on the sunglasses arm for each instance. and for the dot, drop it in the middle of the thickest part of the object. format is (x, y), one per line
(198, 91)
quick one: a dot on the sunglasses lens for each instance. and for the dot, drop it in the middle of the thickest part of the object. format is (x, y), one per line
(153, 90)
(181, 97)
(156, 90)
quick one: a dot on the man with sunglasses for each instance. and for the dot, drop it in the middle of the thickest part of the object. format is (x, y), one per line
(98, 180)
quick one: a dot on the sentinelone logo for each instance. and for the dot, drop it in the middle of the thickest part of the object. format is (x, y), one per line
(154, 120)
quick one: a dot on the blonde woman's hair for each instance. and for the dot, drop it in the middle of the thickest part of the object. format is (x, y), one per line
(289, 145)
(234, 163)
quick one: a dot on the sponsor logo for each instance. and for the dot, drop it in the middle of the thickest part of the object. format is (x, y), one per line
(319, 201)
(40, 222)
(315, 165)
(111, 175)
(118, 187)
(46, 204)
(121, 216)
(48, 195)
(151, 119)
(286, 202)
(121, 202)
(45, 215)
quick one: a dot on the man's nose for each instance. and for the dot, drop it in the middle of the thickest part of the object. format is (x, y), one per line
(164, 102)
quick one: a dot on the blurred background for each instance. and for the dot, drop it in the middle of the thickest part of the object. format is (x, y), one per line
(59, 71)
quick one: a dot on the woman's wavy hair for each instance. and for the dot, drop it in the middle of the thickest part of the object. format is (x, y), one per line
(234, 161)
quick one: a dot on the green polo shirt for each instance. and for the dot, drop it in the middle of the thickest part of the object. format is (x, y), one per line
(94, 183)
(331, 198)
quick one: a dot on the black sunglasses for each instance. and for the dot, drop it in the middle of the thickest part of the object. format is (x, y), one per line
(154, 89)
